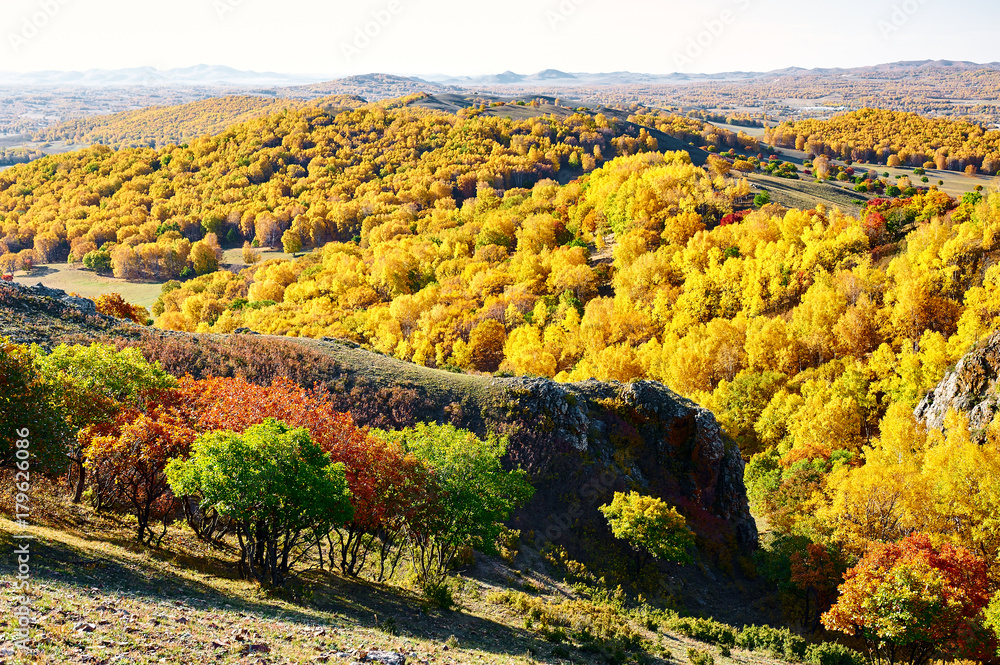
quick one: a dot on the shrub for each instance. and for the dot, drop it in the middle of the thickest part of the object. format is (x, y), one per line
(98, 260)
(699, 657)
(555, 635)
(832, 653)
(704, 630)
(439, 595)
(389, 627)
(508, 544)
(572, 570)
(560, 651)
(793, 649)
(773, 640)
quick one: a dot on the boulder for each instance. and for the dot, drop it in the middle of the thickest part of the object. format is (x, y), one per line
(970, 388)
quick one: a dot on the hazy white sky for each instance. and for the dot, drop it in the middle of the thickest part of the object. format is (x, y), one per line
(476, 37)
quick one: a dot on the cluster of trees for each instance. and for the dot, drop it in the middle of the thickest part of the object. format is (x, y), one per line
(696, 132)
(894, 138)
(157, 126)
(299, 178)
(277, 465)
(477, 287)
(728, 116)
(504, 283)
(9, 156)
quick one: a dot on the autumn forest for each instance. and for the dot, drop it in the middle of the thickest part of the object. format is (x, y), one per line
(548, 248)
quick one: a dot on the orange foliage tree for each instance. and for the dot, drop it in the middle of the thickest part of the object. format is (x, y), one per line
(114, 305)
(131, 463)
(912, 601)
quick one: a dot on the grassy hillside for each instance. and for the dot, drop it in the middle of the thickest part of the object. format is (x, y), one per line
(98, 596)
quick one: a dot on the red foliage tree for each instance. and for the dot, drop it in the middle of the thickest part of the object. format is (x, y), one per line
(912, 601)
(874, 226)
(734, 217)
(815, 572)
(127, 457)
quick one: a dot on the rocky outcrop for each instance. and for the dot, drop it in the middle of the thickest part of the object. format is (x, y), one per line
(971, 388)
(44, 316)
(84, 305)
(588, 440)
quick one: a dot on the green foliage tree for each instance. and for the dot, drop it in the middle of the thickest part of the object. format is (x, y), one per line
(99, 261)
(291, 241)
(991, 617)
(279, 487)
(651, 526)
(29, 413)
(212, 223)
(93, 384)
(471, 498)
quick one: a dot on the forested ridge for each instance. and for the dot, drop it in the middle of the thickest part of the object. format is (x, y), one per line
(329, 173)
(895, 137)
(157, 126)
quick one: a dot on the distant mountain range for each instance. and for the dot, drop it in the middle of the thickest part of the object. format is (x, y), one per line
(199, 75)
(554, 77)
(215, 75)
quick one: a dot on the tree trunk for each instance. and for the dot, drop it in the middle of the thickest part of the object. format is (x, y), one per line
(81, 478)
